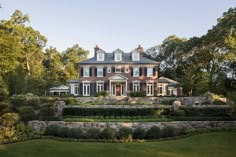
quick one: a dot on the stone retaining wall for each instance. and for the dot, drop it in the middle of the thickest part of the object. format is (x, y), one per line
(41, 125)
(155, 100)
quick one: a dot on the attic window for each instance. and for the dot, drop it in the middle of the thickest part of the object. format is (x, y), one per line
(118, 56)
(135, 56)
(100, 57)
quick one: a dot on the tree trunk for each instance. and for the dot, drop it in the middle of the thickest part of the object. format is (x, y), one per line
(28, 65)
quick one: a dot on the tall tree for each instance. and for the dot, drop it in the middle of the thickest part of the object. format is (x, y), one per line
(54, 73)
(30, 41)
(169, 51)
(71, 57)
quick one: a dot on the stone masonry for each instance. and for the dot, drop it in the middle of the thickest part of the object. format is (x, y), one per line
(41, 125)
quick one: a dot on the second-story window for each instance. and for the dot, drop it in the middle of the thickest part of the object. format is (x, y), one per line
(86, 72)
(118, 69)
(126, 69)
(149, 71)
(109, 69)
(99, 72)
(136, 72)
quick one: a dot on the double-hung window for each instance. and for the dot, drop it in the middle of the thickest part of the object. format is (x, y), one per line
(76, 89)
(86, 89)
(149, 71)
(86, 72)
(100, 86)
(136, 86)
(136, 71)
(150, 89)
(100, 72)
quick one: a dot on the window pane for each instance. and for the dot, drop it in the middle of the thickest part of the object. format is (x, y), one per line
(149, 71)
(136, 72)
(100, 72)
(86, 72)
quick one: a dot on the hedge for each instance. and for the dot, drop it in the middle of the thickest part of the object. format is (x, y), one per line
(124, 134)
(208, 111)
(70, 111)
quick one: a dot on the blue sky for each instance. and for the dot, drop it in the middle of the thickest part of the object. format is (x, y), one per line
(115, 24)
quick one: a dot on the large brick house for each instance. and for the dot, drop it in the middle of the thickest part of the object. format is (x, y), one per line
(119, 73)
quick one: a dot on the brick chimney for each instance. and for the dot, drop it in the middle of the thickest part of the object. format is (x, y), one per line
(96, 48)
(140, 49)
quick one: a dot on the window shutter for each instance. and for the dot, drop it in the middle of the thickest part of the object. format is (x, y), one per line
(95, 72)
(113, 69)
(81, 89)
(105, 86)
(90, 72)
(131, 71)
(141, 85)
(131, 87)
(145, 71)
(154, 70)
(104, 72)
(81, 72)
(140, 71)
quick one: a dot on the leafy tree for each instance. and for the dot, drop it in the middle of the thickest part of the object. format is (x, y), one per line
(169, 51)
(3, 90)
(29, 40)
(71, 57)
(54, 73)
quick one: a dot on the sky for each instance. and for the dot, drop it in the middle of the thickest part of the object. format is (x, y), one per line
(113, 24)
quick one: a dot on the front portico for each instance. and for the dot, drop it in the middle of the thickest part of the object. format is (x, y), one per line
(118, 85)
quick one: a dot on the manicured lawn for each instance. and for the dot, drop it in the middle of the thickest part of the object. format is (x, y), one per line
(218, 144)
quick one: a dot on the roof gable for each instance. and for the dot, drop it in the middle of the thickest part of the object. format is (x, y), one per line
(118, 77)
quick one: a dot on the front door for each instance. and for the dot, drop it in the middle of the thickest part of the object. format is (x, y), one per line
(117, 90)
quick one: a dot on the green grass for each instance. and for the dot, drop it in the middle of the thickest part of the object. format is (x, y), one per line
(218, 144)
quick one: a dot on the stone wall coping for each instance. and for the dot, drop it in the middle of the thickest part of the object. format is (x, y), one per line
(118, 106)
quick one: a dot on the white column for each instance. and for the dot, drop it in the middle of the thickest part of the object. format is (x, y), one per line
(83, 89)
(110, 88)
(126, 88)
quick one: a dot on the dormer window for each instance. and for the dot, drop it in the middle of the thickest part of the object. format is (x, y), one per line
(118, 56)
(135, 56)
(100, 56)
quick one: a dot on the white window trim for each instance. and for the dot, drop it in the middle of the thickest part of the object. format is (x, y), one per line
(86, 92)
(76, 89)
(118, 67)
(99, 83)
(138, 56)
(84, 71)
(158, 89)
(109, 69)
(116, 58)
(152, 72)
(102, 72)
(134, 72)
(126, 69)
(102, 56)
(147, 86)
(135, 84)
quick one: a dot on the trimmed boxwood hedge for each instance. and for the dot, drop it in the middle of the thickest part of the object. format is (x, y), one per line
(207, 111)
(72, 111)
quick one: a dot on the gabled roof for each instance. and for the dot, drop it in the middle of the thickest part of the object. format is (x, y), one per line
(118, 77)
(126, 59)
(167, 80)
(62, 87)
(73, 81)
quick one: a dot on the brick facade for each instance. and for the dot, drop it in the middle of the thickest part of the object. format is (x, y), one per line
(117, 69)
